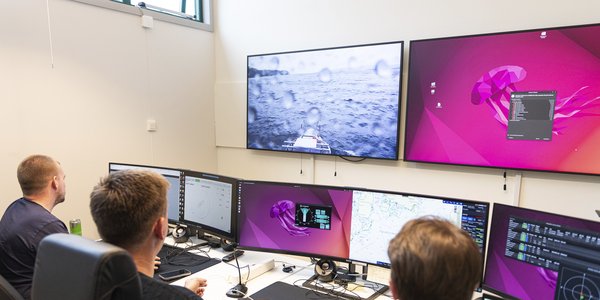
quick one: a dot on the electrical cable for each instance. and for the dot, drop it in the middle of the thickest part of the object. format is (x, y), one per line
(352, 160)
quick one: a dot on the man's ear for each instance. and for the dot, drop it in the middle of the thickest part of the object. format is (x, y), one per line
(54, 183)
(159, 228)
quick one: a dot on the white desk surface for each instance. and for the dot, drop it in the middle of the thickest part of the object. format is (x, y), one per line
(217, 276)
(218, 284)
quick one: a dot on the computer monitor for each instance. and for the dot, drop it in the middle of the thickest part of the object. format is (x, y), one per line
(346, 224)
(210, 204)
(539, 255)
(174, 193)
(377, 216)
(298, 219)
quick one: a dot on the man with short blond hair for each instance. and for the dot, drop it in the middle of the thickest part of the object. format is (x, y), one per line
(431, 258)
(130, 211)
(29, 219)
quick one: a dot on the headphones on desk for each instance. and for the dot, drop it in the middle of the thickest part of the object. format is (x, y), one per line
(325, 270)
(180, 234)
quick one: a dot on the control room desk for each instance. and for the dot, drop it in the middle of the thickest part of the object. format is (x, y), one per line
(223, 276)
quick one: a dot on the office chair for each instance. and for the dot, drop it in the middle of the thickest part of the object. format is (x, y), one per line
(71, 267)
(7, 291)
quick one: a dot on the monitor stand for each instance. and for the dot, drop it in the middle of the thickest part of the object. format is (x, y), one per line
(378, 288)
(213, 242)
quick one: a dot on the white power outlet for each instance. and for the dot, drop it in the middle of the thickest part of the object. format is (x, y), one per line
(147, 22)
(151, 125)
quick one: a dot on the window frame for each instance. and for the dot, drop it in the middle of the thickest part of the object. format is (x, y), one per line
(127, 7)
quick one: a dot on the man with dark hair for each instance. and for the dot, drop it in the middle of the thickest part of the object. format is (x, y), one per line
(29, 219)
(130, 211)
(431, 258)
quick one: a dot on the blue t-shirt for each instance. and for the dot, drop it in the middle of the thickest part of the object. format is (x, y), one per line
(22, 227)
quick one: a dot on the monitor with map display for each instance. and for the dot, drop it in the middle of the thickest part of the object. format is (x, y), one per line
(377, 216)
(341, 223)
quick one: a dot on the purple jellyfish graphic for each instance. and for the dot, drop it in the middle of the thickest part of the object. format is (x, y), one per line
(495, 86)
(283, 210)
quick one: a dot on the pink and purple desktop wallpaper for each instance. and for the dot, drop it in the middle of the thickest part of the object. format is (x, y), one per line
(459, 93)
(266, 219)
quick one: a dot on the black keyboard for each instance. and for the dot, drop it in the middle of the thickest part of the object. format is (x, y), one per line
(231, 256)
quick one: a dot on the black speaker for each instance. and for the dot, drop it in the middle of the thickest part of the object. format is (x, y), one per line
(180, 234)
(325, 270)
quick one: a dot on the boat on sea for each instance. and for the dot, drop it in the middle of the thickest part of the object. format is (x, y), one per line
(310, 142)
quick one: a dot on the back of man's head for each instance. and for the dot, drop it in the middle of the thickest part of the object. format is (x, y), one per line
(431, 258)
(126, 204)
(35, 173)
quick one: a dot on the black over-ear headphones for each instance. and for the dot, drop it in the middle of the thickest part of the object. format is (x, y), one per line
(228, 246)
(180, 234)
(325, 270)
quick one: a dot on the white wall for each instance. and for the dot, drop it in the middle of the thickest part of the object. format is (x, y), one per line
(246, 27)
(109, 76)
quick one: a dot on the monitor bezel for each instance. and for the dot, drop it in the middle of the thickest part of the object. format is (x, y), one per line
(399, 100)
(147, 167)
(412, 76)
(520, 209)
(203, 228)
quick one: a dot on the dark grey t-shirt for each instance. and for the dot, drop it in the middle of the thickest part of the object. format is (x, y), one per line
(154, 289)
(22, 227)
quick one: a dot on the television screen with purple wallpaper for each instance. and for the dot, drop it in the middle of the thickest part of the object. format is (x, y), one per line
(538, 255)
(519, 100)
(341, 223)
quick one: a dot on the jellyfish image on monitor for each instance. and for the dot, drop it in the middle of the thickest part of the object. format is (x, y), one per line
(283, 211)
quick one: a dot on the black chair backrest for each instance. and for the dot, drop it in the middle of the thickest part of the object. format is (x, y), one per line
(7, 291)
(72, 267)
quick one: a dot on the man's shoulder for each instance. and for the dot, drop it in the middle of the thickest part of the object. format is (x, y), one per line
(30, 221)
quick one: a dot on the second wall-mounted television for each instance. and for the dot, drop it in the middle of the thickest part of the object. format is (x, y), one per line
(519, 100)
(339, 101)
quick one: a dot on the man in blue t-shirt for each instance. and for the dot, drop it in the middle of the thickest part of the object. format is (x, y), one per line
(29, 219)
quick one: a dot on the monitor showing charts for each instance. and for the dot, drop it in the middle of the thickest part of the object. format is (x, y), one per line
(342, 223)
(174, 176)
(210, 203)
(538, 255)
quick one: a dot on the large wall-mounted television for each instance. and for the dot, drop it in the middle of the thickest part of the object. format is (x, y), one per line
(538, 255)
(338, 101)
(517, 100)
(346, 224)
